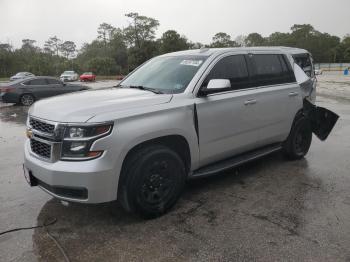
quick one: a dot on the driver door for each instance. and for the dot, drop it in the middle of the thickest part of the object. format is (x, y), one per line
(227, 120)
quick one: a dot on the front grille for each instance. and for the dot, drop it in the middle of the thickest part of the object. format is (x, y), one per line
(41, 126)
(41, 149)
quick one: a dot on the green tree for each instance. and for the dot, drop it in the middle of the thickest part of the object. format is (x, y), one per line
(139, 36)
(68, 48)
(255, 39)
(103, 66)
(171, 41)
(222, 40)
(6, 59)
(344, 49)
(28, 45)
(118, 50)
(196, 45)
(105, 32)
(141, 29)
(280, 39)
(323, 46)
(53, 45)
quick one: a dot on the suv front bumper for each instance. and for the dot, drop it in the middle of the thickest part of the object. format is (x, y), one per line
(81, 181)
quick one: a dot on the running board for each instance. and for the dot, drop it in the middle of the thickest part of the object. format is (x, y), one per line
(235, 161)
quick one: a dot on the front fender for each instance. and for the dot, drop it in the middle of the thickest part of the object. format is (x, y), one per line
(139, 129)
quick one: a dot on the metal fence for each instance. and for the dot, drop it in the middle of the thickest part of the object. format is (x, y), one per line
(332, 66)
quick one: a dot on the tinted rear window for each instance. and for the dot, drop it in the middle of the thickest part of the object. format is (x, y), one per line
(271, 70)
(36, 82)
(53, 82)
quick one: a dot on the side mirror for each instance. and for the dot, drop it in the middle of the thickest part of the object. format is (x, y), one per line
(216, 85)
(64, 84)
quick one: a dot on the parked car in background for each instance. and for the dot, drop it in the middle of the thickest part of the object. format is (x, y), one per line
(69, 76)
(21, 75)
(88, 76)
(120, 77)
(27, 91)
(318, 71)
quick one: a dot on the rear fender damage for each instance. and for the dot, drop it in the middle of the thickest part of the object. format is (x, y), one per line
(322, 119)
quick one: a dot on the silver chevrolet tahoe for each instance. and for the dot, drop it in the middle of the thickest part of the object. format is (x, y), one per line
(178, 116)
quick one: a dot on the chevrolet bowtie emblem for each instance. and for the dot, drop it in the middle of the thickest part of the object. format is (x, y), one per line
(29, 133)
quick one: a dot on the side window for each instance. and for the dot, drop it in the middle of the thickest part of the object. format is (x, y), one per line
(37, 82)
(288, 72)
(233, 68)
(268, 70)
(271, 69)
(53, 81)
(305, 62)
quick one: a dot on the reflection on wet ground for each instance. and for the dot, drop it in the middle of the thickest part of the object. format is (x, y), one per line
(13, 113)
(268, 210)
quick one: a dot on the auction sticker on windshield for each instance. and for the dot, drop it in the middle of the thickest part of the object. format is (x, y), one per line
(195, 63)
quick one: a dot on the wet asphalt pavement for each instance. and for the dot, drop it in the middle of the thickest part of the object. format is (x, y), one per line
(268, 210)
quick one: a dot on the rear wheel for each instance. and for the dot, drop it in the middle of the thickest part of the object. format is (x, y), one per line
(27, 99)
(299, 140)
(152, 181)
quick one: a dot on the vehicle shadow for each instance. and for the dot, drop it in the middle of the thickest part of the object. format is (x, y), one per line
(269, 189)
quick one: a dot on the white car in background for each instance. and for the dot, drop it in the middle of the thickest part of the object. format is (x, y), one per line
(69, 76)
(318, 72)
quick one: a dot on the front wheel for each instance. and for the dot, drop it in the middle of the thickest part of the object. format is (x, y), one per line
(27, 99)
(152, 181)
(299, 140)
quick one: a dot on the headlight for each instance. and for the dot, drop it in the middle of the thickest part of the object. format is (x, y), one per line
(75, 132)
(86, 132)
(78, 140)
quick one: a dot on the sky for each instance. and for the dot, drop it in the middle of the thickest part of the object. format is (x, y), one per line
(198, 20)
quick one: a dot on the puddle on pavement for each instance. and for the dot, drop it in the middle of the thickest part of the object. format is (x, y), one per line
(294, 209)
(15, 114)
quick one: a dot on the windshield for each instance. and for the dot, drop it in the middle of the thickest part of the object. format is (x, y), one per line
(170, 74)
(87, 73)
(68, 73)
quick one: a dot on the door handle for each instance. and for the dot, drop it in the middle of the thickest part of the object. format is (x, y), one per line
(293, 94)
(250, 102)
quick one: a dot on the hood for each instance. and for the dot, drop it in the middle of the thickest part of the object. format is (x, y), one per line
(81, 106)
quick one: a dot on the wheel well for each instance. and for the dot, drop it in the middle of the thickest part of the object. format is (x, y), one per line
(175, 142)
(300, 113)
(27, 94)
(20, 97)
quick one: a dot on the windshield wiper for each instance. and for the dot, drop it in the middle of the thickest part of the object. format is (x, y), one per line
(156, 91)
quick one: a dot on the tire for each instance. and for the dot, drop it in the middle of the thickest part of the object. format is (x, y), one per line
(27, 99)
(152, 181)
(299, 140)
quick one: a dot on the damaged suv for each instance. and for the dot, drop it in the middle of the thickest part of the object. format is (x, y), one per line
(178, 116)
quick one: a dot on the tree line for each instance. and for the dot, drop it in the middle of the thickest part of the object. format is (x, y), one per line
(118, 51)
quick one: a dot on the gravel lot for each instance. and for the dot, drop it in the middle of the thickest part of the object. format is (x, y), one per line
(268, 210)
